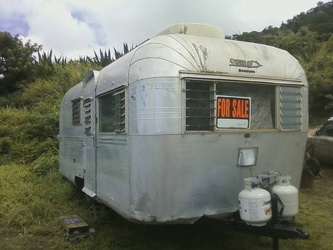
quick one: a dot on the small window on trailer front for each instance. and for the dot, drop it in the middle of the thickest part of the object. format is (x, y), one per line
(112, 111)
(199, 106)
(290, 108)
(76, 112)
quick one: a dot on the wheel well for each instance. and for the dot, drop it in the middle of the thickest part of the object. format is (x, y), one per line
(79, 182)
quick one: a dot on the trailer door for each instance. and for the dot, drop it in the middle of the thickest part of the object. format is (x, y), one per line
(89, 107)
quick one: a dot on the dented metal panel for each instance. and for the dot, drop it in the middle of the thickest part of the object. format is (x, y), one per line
(157, 170)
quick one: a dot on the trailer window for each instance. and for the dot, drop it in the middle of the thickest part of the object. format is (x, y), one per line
(262, 113)
(290, 108)
(201, 101)
(76, 112)
(87, 116)
(199, 106)
(112, 111)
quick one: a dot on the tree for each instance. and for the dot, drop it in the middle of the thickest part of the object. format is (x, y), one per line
(17, 62)
(318, 19)
(320, 77)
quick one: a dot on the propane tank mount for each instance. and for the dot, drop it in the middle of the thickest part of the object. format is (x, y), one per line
(283, 206)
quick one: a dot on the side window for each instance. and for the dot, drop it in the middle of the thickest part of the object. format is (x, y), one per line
(112, 111)
(327, 130)
(87, 116)
(76, 112)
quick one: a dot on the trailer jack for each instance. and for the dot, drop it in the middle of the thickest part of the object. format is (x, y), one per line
(275, 228)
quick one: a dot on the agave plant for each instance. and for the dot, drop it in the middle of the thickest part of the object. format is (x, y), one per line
(60, 60)
(46, 58)
(105, 58)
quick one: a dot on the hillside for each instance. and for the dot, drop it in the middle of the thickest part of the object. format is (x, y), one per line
(308, 37)
(318, 19)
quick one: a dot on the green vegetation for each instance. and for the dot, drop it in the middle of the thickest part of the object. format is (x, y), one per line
(309, 38)
(29, 118)
(17, 62)
(31, 205)
(33, 194)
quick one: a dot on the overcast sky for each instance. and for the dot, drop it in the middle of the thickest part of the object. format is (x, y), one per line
(74, 28)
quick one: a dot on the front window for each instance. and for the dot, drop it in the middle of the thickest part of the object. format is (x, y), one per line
(199, 106)
(222, 105)
(252, 103)
(112, 111)
(290, 108)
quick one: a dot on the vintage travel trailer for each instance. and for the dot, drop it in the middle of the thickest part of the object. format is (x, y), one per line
(168, 132)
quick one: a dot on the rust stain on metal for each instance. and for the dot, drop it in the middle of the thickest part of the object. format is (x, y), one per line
(184, 30)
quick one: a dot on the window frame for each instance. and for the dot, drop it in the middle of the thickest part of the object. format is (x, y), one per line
(76, 112)
(323, 129)
(120, 111)
(276, 83)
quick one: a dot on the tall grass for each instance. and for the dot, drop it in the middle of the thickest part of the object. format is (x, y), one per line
(33, 194)
(31, 204)
(30, 118)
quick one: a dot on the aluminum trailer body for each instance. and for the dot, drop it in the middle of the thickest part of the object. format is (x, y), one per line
(168, 132)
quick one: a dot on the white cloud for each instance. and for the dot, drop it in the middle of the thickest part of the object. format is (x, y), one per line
(13, 7)
(53, 26)
(78, 27)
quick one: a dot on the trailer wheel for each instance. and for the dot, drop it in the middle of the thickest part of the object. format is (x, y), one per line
(313, 167)
(96, 209)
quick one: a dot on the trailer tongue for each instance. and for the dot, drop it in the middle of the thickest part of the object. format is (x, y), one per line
(276, 228)
(267, 207)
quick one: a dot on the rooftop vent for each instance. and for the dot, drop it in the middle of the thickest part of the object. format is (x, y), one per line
(194, 29)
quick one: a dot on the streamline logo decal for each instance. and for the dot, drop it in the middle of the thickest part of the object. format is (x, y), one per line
(245, 64)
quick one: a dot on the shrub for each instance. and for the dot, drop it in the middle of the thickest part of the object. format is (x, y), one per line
(4, 145)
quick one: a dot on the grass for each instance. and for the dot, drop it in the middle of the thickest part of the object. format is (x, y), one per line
(31, 203)
(33, 194)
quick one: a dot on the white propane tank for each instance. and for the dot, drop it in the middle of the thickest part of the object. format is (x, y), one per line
(254, 203)
(288, 194)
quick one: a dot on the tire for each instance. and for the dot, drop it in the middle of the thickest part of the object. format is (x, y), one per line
(313, 166)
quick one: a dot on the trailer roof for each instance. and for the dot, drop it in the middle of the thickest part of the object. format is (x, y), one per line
(199, 48)
(194, 29)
